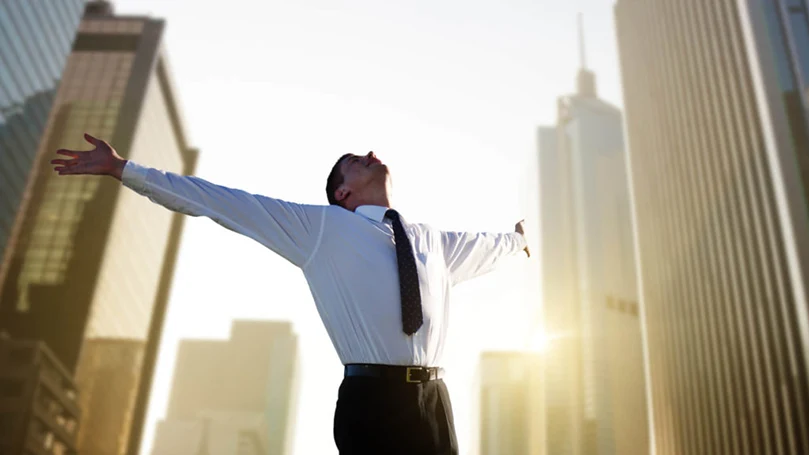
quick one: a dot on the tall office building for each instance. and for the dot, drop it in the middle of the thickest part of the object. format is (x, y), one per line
(511, 404)
(35, 40)
(88, 261)
(596, 401)
(241, 392)
(716, 106)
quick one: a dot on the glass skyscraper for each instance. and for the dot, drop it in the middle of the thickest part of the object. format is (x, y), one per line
(90, 269)
(716, 108)
(35, 40)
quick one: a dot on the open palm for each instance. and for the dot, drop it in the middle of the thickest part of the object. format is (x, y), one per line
(102, 160)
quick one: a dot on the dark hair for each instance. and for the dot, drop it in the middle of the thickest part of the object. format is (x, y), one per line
(334, 181)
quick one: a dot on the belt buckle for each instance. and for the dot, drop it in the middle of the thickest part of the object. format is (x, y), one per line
(408, 377)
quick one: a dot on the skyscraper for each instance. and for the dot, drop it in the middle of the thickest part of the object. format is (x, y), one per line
(91, 263)
(716, 106)
(35, 40)
(595, 384)
(239, 391)
(511, 404)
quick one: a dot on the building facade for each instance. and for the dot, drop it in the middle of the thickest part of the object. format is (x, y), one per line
(251, 377)
(35, 40)
(596, 402)
(511, 404)
(38, 410)
(89, 262)
(716, 106)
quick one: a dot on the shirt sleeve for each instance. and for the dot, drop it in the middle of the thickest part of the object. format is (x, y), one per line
(289, 229)
(469, 254)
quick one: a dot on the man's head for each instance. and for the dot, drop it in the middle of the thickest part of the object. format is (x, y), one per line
(356, 180)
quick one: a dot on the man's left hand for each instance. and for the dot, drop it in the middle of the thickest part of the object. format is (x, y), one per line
(520, 228)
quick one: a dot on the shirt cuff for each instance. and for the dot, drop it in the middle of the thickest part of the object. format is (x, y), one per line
(520, 241)
(134, 176)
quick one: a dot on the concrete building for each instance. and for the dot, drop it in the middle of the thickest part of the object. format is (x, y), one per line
(88, 260)
(596, 401)
(215, 433)
(38, 410)
(511, 404)
(716, 107)
(252, 377)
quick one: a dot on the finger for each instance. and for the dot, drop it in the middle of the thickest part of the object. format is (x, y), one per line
(92, 140)
(70, 170)
(64, 162)
(69, 153)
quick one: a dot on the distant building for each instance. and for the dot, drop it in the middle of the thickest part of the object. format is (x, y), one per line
(596, 397)
(89, 260)
(511, 404)
(252, 378)
(215, 433)
(38, 409)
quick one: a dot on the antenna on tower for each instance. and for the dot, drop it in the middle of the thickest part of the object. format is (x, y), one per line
(586, 79)
(582, 54)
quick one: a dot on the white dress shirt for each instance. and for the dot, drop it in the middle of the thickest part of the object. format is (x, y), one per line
(348, 259)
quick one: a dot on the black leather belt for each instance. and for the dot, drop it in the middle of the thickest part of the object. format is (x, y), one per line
(394, 372)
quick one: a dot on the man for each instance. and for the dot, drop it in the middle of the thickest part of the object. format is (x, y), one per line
(380, 284)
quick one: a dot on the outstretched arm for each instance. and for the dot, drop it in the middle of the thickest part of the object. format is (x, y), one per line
(472, 254)
(291, 230)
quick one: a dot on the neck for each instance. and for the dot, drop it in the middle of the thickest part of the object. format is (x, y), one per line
(377, 196)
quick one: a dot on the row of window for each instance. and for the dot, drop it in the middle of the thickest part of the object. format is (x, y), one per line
(622, 305)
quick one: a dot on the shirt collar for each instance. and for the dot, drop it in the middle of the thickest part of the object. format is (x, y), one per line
(372, 212)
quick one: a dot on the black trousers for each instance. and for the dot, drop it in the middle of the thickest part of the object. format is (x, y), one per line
(383, 417)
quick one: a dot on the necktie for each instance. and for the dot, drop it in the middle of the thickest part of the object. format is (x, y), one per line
(408, 276)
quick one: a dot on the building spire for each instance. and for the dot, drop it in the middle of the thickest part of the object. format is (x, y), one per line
(586, 80)
(582, 53)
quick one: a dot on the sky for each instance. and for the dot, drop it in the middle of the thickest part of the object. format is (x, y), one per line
(447, 93)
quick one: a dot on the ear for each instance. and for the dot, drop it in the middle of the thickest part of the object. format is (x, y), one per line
(341, 193)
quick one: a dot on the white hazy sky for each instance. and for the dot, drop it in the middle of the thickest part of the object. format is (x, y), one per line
(448, 93)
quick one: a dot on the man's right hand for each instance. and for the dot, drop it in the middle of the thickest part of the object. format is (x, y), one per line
(102, 160)
(520, 228)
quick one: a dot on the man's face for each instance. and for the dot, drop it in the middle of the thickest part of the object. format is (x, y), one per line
(359, 173)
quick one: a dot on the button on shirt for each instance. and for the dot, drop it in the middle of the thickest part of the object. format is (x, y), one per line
(348, 259)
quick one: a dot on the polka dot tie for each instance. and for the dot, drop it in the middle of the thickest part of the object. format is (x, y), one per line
(408, 276)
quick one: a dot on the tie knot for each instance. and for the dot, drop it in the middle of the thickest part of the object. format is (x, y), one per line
(392, 214)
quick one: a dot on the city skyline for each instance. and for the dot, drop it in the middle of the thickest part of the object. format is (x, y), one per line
(668, 291)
